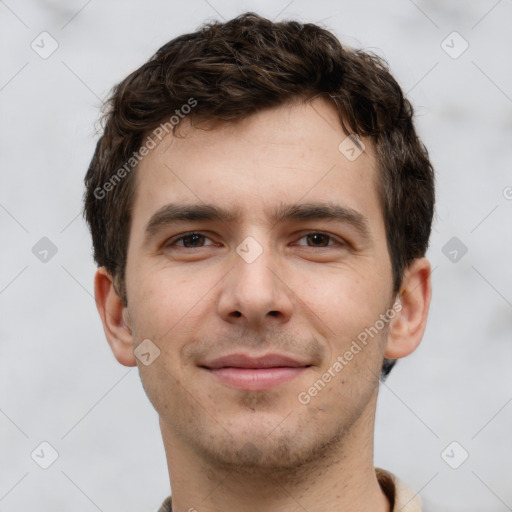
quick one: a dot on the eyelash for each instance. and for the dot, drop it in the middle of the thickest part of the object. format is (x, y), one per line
(173, 241)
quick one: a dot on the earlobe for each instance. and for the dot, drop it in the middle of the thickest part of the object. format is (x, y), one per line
(115, 318)
(407, 328)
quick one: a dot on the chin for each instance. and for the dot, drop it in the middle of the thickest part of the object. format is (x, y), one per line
(257, 449)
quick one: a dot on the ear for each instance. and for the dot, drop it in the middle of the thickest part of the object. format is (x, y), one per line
(115, 318)
(407, 328)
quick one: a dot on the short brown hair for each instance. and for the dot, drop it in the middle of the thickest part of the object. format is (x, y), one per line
(234, 69)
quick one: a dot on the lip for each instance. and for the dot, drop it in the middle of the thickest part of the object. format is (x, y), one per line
(255, 373)
(253, 362)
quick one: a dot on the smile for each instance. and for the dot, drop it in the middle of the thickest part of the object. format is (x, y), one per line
(255, 373)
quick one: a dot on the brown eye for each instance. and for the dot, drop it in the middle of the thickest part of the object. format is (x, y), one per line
(195, 240)
(318, 239)
(190, 241)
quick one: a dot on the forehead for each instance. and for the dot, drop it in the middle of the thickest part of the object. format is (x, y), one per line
(293, 153)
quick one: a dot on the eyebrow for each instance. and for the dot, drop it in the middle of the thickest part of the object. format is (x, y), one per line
(323, 211)
(173, 213)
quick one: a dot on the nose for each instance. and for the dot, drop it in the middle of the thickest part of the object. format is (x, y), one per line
(255, 293)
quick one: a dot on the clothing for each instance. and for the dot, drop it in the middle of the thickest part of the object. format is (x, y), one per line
(402, 498)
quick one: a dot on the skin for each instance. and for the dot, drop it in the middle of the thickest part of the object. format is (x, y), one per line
(307, 297)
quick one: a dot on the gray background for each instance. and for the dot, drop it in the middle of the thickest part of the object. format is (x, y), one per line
(59, 381)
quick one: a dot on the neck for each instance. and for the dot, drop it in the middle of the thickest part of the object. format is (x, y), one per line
(341, 478)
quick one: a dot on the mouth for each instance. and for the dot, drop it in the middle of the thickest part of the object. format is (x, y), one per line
(242, 371)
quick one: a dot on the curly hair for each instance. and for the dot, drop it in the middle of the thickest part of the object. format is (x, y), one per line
(231, 70)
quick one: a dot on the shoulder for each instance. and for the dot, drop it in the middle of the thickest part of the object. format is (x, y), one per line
(166, 506)
(401, 497)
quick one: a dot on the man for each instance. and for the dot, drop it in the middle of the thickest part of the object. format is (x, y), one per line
(260, 207)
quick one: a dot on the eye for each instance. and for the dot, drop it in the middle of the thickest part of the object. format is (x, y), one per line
(319, 239)
(189, 241)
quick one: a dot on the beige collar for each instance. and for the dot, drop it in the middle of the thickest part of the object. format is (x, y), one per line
(402, 498)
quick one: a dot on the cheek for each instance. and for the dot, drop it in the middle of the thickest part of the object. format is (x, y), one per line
(344, 299)
(345, 308)
(161, 301)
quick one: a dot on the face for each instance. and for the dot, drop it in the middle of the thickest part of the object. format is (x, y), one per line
(257, 257)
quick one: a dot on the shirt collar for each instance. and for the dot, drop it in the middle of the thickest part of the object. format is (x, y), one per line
(402, 498)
